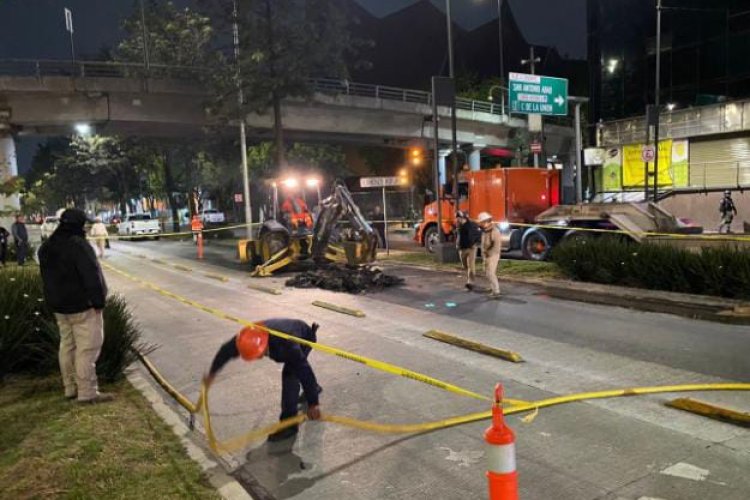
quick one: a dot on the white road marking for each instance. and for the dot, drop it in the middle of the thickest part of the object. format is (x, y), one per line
(686, 471)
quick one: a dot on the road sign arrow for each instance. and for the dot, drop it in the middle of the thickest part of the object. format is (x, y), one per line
(559, 100)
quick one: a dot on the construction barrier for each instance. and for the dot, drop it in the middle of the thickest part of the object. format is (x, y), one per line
(502, 477)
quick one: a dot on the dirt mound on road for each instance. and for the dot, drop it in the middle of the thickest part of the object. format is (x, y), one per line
(343, 279)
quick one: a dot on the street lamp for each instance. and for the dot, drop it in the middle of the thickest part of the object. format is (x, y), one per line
(612, 65)
(502, 96)
(83, 129)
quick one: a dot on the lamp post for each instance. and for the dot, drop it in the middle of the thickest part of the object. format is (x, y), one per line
(657, 100)
(243, 136)
(501, 47)
(69, 28)
(451, 73)
(503, 90)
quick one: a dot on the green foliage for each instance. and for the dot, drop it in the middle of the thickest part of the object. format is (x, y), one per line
(176, 37)
(29, 340)
(329, 161)
(723, 272)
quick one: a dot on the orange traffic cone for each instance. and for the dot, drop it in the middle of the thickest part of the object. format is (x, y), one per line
(200, 244)
(501, 454)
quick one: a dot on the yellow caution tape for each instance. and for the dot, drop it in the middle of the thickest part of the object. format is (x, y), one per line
(372, 363)
(515, 407)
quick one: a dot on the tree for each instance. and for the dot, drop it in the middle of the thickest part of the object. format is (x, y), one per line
(174, 37)
(283, 44)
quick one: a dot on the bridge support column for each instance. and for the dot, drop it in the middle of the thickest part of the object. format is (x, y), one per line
(475, 162)
(8, 169)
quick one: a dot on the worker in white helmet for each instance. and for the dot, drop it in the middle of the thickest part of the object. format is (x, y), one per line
(491, 248)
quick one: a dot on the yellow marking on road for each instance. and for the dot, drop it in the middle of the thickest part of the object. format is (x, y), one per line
(261, 288)
(218, 277)
(339, 309)
(511, 356)
(711, 411)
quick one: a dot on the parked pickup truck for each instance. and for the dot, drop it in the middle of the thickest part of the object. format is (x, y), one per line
(139, 225)
(212, 216)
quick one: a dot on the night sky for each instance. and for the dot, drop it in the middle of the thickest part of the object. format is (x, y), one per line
(36, 28)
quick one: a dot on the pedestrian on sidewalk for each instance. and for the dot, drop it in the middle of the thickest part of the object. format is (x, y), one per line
(491, 248)
(4, 237)
(20, 238)
(728, 210)
(75, 290)
(468, 241)
(254, 342)
(99, 234)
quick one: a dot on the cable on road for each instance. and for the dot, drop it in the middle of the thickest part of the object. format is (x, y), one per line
(514, 406)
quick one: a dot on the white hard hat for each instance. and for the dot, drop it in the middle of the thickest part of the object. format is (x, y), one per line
(484, 216)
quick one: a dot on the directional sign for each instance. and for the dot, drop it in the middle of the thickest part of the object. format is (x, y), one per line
(538, 95)
(648, 154)
(379, 182)
(238, 197)
(536, 147)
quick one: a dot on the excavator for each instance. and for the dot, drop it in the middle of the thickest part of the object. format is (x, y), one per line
(291, 234)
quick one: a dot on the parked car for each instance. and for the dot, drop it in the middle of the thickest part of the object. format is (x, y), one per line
(48, 226)
(139, 225)
(212, 216)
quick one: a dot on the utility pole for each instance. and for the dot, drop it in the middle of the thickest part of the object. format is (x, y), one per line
(657, 100)
(452, 74)
(243, 137)
(146, 61)
(501, 47)
(69, 28)
(531, 62)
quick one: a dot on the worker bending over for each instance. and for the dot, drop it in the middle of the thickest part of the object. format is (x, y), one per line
(254, 342)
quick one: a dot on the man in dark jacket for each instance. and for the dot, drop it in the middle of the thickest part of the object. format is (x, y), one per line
(469, 238)
(728, 210)
(254, 342)
(20, 238)
(75, 290)
(4, 235)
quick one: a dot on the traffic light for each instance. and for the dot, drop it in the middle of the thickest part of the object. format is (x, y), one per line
(416, 156)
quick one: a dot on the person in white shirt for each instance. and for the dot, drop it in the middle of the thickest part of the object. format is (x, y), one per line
(99, 235)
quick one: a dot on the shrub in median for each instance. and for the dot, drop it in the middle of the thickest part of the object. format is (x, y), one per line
(29, 337)
(723, 272)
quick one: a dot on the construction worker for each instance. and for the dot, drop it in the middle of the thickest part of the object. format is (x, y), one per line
(196, 226)
(99, 234)
(491, 248)
(295, 208)
(727, 211)
(468, 241)
(254, 342)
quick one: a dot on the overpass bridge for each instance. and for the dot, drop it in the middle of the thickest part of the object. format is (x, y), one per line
(48, 97)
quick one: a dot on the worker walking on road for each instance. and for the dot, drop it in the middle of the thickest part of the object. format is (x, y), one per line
(254, 342)
(20, 238)
(727, 211)
(196, 226)
(491, 248)
(468, 241)
(99, 234)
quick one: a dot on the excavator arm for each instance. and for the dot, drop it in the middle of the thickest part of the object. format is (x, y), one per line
(359, 240)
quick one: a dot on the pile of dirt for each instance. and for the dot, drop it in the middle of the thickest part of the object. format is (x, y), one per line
(344, 279)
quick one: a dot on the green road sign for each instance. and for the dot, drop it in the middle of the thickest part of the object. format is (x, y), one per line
(538, 95)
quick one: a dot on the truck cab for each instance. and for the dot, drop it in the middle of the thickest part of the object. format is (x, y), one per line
(514, 196)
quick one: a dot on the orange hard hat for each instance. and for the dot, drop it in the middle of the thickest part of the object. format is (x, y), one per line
(252, 342)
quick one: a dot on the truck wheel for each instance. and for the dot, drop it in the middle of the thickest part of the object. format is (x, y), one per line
(431, 239)
(537, 244)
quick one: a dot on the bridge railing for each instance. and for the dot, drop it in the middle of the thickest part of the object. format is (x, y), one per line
(41, 68)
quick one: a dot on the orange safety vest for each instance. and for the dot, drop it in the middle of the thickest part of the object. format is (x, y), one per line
(196, 224)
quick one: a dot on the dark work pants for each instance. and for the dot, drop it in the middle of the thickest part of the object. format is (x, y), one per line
(290, 387)
(21, 249)
(3, 252)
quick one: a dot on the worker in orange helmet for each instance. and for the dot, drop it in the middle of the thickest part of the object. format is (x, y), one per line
(254, 342)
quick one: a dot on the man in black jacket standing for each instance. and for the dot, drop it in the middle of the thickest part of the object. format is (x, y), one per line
(254, 342)
(20, 238)
(469, 238)
(75, 290)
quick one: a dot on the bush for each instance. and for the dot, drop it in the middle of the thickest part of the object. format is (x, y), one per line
(29, 337)
(723, 272)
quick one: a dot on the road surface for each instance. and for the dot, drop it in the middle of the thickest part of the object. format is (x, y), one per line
(604, 449)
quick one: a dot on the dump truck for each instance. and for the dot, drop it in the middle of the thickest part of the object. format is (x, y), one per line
(514, 196)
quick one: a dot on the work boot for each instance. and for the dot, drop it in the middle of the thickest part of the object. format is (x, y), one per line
(469, 287)
(494, 295)
(303, 400)
(283, 434)
(101, 397)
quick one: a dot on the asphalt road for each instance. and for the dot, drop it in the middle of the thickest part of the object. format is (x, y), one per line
(604, 449)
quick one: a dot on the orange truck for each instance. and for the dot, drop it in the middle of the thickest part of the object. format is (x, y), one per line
(513, 196)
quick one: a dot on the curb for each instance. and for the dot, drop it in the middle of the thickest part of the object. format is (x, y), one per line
(706, 308)
(226, 486)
